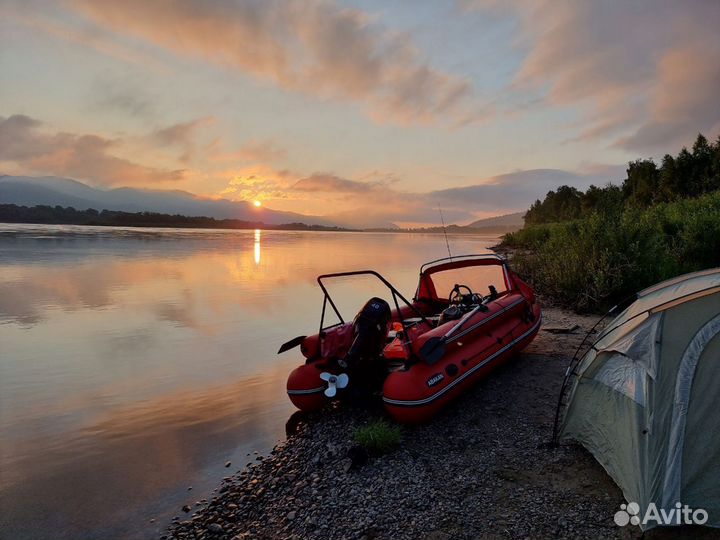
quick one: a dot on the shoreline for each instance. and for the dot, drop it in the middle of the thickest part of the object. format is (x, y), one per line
(482, 468)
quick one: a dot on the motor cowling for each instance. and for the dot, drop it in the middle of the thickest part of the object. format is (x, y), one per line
(370, 329)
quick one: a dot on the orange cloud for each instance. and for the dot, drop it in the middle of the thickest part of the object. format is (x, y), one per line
(685, 102)
(317, 48)
(263, 151)
(84, 156)
(257, 181)
(325, 182)
(374, 201)
(646, 73)
(181, 135)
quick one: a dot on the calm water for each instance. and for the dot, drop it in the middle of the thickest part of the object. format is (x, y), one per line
(135, 362)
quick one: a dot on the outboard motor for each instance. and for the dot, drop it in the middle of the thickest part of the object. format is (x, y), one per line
(370, 330)
(363, 362)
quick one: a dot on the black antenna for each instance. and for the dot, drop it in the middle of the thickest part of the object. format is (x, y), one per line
(442, 220)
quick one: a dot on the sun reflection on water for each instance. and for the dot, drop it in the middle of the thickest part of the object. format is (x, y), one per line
(257, 246)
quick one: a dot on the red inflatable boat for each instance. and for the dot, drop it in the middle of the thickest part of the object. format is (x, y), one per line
(469, 315)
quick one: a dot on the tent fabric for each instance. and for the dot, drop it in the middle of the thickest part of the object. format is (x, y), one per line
(710, 273)
(624, 375)
(640, 345)
(643, 396)
(670, 290)
(681, 403)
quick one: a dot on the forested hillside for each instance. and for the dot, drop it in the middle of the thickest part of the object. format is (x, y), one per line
(590, 249)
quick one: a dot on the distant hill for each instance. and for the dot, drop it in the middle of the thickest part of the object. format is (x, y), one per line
(68, 193)
(449, 229)
(509, 222)
(65, 192)
(57, 215)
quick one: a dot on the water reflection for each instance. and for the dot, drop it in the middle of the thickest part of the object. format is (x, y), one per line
(141, 459)
(136, 361)
(257, 246)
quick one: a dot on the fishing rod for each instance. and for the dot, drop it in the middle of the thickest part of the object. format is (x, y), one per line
(447, 244)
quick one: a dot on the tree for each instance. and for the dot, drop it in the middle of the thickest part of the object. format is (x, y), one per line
(560, 205)
(641, 186)
(715, 166)
(669, 180)
(684, 172)
(532, 216)
(702, 170)
(689, 174)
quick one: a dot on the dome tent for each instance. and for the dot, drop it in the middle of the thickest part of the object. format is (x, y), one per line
(642, 399)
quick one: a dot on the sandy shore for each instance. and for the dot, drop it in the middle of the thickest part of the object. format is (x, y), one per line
(481, 469)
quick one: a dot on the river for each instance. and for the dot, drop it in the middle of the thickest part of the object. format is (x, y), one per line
(136, 362)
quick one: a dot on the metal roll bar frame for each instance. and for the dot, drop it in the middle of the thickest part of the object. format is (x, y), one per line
(395, 294)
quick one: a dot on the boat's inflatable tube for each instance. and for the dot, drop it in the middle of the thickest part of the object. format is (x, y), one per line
(305, 388)
(415, 395)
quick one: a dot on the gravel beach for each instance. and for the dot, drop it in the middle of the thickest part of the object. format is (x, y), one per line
(481, 469)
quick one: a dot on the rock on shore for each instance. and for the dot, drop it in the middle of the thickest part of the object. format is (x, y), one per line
(481, 469)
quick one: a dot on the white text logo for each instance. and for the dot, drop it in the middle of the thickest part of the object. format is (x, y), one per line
(680, 515)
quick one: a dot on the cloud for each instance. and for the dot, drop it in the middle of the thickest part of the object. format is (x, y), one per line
(329, 183)
(83, 156)
(517, 190)
(125, 102)
(263, 151)
(45, 17)
(181, 135)
(645, 72)
(261, 181)
(257, 182)
(685, 102)
(378, 202)
(317, 48)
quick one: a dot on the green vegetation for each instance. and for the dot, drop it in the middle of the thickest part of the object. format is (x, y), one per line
(590, 250)
(378, 437)
(686, 175)
(57, 215)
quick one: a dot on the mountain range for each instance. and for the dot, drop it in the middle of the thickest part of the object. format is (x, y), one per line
(54, 191)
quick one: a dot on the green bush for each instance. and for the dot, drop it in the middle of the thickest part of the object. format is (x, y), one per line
(591, 263)
(378, 437)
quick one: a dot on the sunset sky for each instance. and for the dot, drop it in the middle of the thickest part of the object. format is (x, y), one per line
(375, 108)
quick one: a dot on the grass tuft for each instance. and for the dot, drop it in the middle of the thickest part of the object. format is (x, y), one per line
(378, 437)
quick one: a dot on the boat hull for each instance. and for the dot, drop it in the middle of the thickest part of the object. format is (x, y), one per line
(416, 395)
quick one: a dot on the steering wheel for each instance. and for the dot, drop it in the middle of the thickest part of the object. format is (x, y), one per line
(457, 297)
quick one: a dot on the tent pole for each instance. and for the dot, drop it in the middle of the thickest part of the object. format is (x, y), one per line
(571, 371)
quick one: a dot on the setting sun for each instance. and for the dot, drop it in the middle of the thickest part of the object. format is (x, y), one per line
(257, 204)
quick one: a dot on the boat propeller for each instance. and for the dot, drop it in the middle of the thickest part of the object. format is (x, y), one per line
(335, 382)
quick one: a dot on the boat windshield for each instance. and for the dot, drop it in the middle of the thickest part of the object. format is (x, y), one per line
(478, 278)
